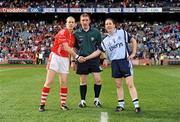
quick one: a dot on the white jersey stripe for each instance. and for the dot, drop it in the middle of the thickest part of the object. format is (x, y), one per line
(126, 36)
(103, 46)
(131, 67)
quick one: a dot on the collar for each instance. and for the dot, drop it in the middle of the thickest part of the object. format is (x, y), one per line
(114, 31)
(81, 29)
(67, 30)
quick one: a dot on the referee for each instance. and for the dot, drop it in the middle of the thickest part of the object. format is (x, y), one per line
(87, 40)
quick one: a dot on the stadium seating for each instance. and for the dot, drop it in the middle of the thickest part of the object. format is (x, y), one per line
(23, 38)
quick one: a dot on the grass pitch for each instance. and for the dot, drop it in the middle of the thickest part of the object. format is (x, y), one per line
(20, 88)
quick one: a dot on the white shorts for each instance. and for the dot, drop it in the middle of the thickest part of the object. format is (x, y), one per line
(58, 63)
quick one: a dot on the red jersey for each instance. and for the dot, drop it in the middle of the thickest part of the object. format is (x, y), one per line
(63, 36)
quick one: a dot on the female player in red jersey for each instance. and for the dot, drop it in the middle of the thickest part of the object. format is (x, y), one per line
(59, 63)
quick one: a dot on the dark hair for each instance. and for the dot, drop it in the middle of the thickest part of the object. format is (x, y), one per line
(111, 20)
(85, 15)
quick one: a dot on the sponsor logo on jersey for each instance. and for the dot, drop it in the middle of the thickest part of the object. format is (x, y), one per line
(111, 48)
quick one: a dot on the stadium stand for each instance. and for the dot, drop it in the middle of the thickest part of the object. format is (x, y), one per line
(22, 39)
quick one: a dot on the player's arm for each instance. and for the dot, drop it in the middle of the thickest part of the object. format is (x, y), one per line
(70, 50)
(103, 55)
(134, 48)
(105, 60)
(73, 61)
(63, 41)
(72, 57)
(101, 49)
(93, 55)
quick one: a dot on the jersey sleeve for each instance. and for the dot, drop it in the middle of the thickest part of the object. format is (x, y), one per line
(128, 37)
(102, 47)
(62, 37)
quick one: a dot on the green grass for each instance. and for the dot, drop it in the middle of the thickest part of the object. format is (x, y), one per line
(158, 90)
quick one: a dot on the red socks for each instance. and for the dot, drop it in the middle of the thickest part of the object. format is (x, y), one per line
(63, 95)
(44, 94)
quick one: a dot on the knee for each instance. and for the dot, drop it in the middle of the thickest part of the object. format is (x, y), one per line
(98, 82)
(83, 82)
(63, 82)
(130, 85)
(118, 85)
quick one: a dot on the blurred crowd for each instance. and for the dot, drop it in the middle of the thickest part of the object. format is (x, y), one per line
(33, 39)
(155, 39)
(27, 40)
(88, 3)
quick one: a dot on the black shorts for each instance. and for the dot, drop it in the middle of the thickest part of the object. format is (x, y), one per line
(89, 66)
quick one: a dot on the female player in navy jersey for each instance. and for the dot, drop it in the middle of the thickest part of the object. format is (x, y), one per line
(116, 47)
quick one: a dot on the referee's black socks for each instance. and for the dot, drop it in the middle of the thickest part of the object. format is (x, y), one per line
(83, 90)
(97, 90)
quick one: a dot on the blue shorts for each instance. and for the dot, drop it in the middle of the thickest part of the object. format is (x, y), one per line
(121, 68)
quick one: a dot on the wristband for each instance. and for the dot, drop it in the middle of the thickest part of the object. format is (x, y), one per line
(73, 61)
(76, 57)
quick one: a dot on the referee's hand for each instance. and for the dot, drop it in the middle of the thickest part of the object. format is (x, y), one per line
(81, 59)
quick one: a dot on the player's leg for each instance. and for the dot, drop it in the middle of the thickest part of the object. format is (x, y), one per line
(118, 74)
(97, 88)
(133, 92)
(83, 90)
(63, 70)
(46, 89)
(52, 68)
(120, 94)
(63, 92)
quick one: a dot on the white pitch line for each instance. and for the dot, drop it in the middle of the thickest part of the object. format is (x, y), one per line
(4, 70)
(104, 117)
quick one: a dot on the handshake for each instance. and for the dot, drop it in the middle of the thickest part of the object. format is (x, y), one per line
(81, 59)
